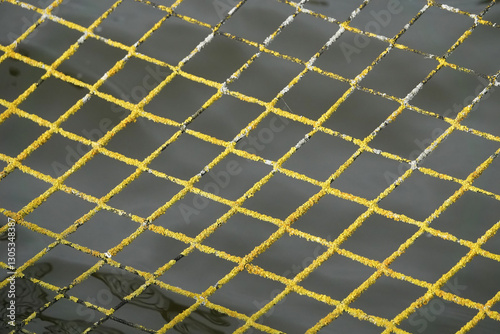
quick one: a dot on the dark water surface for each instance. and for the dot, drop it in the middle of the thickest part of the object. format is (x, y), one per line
(397, 74)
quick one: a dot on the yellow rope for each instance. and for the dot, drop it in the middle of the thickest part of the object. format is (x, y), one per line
(229, 147)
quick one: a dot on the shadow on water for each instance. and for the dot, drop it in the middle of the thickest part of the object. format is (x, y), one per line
(30, 297)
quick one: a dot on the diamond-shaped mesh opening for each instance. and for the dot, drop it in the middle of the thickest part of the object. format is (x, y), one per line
(293, 193)
(17, 77)
(487, 180)
(382, 289)
(191, 153)
(477, 41)
(52, 99)
(146, 78)
(116, 227)
(450, 100)
(205, 11)
(191, 215)
(140, 139)
(378, 237)
(300, 257)
(386, 19)
(211, 64)
(240, 235)
(412, 262)
(329, 217)
(231, 178)
(225, 118)
(251, 22)
(43, 35)
(19, 189)
(337, 277)
(95, 54)
(64, 264)
(99, 176)
(325, 155)
(95, 118)
(415, 132)
(153, 308)
(340, 11)
(371, 108)
(298, 41)
(482, 118)
(309, 309)
(247, 293)
(180, 99)
(314, 94)
(133, 18)
(182, 37)
(16, 134)
(381, 173)
(59, 211)
(468, 159)
(469, 217)
(56, 156)
(426, 193)
(438, 315)
(273, 137)
(255, 81)
(205, 270)
(480, 289)
(394, 77)
(165, 249)
(350, 54)
(106, 288)
(204, 319)
(12, 24)
(71, 10)
(438, 41)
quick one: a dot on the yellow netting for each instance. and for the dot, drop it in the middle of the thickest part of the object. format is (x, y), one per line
(284, 226)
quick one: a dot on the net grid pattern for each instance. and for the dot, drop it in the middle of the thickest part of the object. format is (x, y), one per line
(284, 226)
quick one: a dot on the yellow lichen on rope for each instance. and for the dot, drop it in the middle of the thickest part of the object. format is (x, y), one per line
(434, 215)
(237, 206)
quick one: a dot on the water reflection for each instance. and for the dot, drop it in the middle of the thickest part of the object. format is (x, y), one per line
(154, 299)
(30, 297)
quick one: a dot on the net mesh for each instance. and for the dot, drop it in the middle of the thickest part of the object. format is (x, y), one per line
(284, 227)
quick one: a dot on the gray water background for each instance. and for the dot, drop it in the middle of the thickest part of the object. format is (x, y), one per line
(378, 237)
